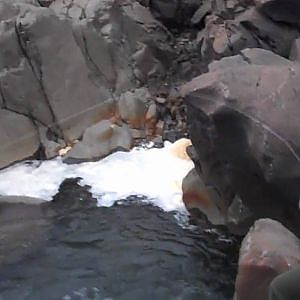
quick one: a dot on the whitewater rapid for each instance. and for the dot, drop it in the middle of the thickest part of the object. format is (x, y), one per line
(156, 174)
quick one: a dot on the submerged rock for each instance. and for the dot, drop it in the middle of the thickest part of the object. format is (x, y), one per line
(268, 250)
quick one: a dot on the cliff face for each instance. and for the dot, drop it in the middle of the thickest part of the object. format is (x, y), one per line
(62, 68)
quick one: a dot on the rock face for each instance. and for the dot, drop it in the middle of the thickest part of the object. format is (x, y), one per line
(65, 66)
(268, 249)
(19, 137)
(242, 117)
(295, 51)
(100, 140)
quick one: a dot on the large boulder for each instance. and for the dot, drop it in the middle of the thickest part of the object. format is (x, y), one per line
(242, 124)
(100, 140)
(76, 101)
(19, 137)
(268, 250)
(286, 11)
(20, 89)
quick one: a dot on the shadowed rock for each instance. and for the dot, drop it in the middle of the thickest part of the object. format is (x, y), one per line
(242, 125)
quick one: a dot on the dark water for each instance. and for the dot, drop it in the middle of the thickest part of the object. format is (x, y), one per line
(70, 249)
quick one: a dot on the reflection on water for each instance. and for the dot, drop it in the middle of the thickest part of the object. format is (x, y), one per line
(71, 249)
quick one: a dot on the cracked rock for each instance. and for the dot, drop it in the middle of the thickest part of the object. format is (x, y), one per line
(19, 138)
(242, 124)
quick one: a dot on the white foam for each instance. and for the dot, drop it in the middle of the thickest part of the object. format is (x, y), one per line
(154, 173)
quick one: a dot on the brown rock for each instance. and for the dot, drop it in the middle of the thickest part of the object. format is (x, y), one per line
(268, 249)
(197, 196)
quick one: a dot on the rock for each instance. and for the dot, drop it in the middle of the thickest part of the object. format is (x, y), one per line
(202, 12)
(248, 56)
(286, 11)
(174, 12)
(41, 34)
(51, 146)
(98, 141)
(136, 51)
(277, 37)
(197, 196)
(250, 29)
(73, 9)
(146, 65)
(132, 107)
(268, 249)
(222, 38)
(295, 51)
(19, 87)
(19, 138)
(242, 125)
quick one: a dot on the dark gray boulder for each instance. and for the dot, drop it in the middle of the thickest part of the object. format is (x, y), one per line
(242, 122)
(19, 137)
(19, 88)
(65, 79)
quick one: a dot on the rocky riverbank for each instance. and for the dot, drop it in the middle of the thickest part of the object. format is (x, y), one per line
(97, 76)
